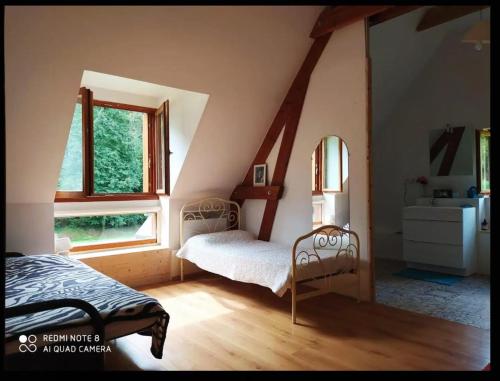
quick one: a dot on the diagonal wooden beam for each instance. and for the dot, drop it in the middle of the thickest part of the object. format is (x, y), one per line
(439, 15)
(336, 17)
(288, 117)
(291, 102)
(392, 12)
(301, 79)
(282, 161)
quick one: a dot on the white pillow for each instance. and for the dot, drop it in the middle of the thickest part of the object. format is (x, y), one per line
(226, 236)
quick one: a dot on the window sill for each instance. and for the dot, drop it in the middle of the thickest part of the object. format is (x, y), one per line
(124, 197)
(126, 250)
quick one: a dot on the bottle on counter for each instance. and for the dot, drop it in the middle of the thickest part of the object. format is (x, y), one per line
(484, 225)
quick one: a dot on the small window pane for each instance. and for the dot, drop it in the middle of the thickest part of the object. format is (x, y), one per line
(332, 167)
(118, 151)
(71, 175)
(345, 164)
(92, 230)
(160, 153)
(484, 146)
(313, 171)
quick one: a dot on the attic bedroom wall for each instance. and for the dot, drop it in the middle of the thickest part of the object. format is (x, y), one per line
(335, 104)
(243, 57)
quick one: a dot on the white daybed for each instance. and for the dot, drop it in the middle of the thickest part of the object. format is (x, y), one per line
(211, 238)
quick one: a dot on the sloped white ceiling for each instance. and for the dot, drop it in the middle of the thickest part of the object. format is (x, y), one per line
(399, 54)
(128, 85)
(243, 57)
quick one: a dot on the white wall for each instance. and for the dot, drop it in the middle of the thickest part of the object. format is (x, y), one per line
(335, 104)
(29, 227)
(186, 111)
(453, 87)
(244, 58)
(105, 94)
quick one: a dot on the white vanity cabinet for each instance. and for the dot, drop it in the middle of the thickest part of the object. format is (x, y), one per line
(440, 238)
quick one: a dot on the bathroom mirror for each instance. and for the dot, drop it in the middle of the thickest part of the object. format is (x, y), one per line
(451, 151)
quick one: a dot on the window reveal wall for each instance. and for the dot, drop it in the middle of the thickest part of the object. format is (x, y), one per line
(336, 104)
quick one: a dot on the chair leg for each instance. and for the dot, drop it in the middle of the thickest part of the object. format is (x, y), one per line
(294, 306)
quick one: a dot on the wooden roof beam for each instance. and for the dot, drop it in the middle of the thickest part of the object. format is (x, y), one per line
(342, 15)
(395, 11)
(439, 15)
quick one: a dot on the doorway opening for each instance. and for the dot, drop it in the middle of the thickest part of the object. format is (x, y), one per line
(430, 193)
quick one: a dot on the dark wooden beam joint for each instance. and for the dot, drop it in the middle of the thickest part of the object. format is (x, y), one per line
(337, 17)
(439, 15)
(392, 12)
(262, 193)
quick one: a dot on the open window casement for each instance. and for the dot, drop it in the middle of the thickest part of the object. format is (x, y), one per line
(75, 172)
(162, 150)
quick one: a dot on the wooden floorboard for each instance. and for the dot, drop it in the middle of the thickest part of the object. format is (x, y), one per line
(219, 324)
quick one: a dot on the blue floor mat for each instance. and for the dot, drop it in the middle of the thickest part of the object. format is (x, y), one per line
(429, 276)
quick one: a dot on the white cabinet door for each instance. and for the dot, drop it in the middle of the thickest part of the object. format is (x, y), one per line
(433, 254)
(433, 231)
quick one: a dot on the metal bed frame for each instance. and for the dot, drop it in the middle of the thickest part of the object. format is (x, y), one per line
(216, 214)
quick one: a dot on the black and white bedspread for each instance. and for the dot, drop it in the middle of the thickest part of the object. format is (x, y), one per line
(39, 278)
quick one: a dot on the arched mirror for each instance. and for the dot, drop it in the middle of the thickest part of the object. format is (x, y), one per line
(330, 183)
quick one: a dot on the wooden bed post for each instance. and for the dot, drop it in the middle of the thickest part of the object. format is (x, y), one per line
(294, 285)
(358, 271)
(182, 270)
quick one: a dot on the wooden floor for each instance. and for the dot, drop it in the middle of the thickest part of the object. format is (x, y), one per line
(218, 324)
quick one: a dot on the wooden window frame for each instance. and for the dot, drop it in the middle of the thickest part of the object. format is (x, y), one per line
(88, 194)
(478, 162)
(162, 114)
(323, 177)
(319, 178)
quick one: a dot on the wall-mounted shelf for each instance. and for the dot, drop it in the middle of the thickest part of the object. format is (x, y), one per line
(263, 193)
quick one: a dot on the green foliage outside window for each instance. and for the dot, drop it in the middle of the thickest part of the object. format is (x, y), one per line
(94, 228)
(118, 151)
(118, 167)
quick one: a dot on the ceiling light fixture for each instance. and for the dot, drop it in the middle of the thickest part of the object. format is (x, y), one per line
(479, 33)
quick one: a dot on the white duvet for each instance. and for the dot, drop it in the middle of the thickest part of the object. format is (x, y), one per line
(237, 255)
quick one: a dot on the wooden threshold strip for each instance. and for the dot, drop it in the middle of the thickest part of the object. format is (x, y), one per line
(113, 245)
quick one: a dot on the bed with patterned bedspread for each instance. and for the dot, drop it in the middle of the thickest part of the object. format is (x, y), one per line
(44, 279)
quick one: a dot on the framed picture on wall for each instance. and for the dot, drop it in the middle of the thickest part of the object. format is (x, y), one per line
(259, 175)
